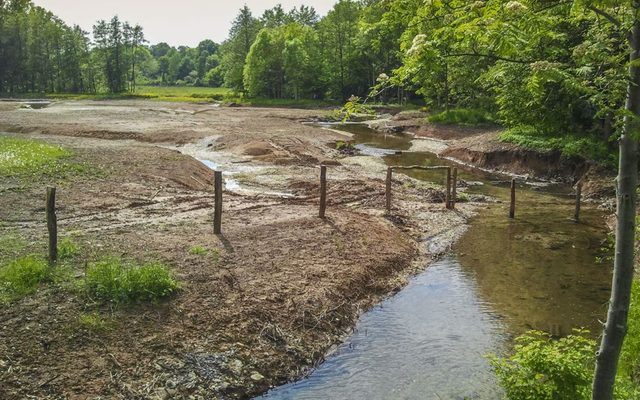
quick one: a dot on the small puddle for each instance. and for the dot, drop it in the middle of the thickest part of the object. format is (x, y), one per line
(503, 277)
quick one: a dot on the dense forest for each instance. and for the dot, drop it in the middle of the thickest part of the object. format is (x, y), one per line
(539, 67)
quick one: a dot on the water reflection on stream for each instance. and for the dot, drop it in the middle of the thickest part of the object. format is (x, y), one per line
(504, 277)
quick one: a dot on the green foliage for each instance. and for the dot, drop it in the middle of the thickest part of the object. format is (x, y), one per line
(546, 369)
(354, 108)
(67, 249)
(462, 116)
(121, 281)
(629, 367)
(21, 277)
(569, 145)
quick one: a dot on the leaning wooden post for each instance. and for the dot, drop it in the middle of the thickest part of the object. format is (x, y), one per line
(454, 189)
(576, 216)
(52, 225)
(512, 211)
(217, 216)
(448, 196)
(323, 191)
(388, 192)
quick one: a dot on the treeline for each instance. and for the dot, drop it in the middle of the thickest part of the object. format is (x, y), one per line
(542, 67)
(39, 53)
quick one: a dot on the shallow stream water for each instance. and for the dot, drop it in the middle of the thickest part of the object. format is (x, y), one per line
(504, 277)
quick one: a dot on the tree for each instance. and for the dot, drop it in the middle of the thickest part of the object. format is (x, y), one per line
(627, 182)
(243, 32)
(337, 35)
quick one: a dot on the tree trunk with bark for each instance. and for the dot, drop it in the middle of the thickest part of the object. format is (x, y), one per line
(627, 181)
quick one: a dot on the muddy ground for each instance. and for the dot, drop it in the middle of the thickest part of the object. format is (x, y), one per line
(277, 290)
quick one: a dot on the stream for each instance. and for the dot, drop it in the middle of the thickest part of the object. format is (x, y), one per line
(503, 277)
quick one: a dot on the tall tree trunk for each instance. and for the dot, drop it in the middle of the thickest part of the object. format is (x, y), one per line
(616, 326)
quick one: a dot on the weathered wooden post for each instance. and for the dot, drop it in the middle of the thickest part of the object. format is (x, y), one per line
(448, 196)
(512, 211)
(576, 216)
(454, 189)
(217, 216)
(52, 225)
(388, 192)
(323, 191)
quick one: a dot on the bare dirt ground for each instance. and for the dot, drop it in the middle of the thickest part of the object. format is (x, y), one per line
(284, 288)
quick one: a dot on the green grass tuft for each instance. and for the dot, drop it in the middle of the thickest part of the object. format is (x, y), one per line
(22, 277)
(462, 116)
(120, 281)
(198, 251)
(94, 322)
(67, 249)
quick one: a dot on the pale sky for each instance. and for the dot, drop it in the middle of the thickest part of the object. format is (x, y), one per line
(182, 22)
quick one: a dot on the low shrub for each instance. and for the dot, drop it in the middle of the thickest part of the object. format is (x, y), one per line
(461, 116)
(120, 281)
(546, 369)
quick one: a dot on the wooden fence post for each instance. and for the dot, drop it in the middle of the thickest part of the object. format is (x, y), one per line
(576, 216)
(448, 196)
(217, 216)
(323, 191)
(512, 210)
(52, 225)
(454, 189)
(388, 192)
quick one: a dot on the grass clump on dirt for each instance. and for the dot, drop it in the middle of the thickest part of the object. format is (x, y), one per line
(67, 249)
(94, 322)
(462, 116)
(19, 157)
(22, 277)
(198, 251)
(121, 281)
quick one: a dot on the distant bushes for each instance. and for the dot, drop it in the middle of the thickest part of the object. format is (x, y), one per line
(462, 116)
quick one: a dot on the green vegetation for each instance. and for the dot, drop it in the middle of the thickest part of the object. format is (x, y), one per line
(67, 249)
(26, 158)
(21, 277)
(183, 93)
(22, 157)
(630, 359)
(198, 251)
(568, 145)
(121, 281)
(462, 116)
(94, 322)
(543, 368)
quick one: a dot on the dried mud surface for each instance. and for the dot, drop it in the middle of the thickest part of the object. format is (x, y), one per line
(284, 288)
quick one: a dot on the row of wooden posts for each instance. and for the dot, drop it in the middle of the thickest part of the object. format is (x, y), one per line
(450, 200)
